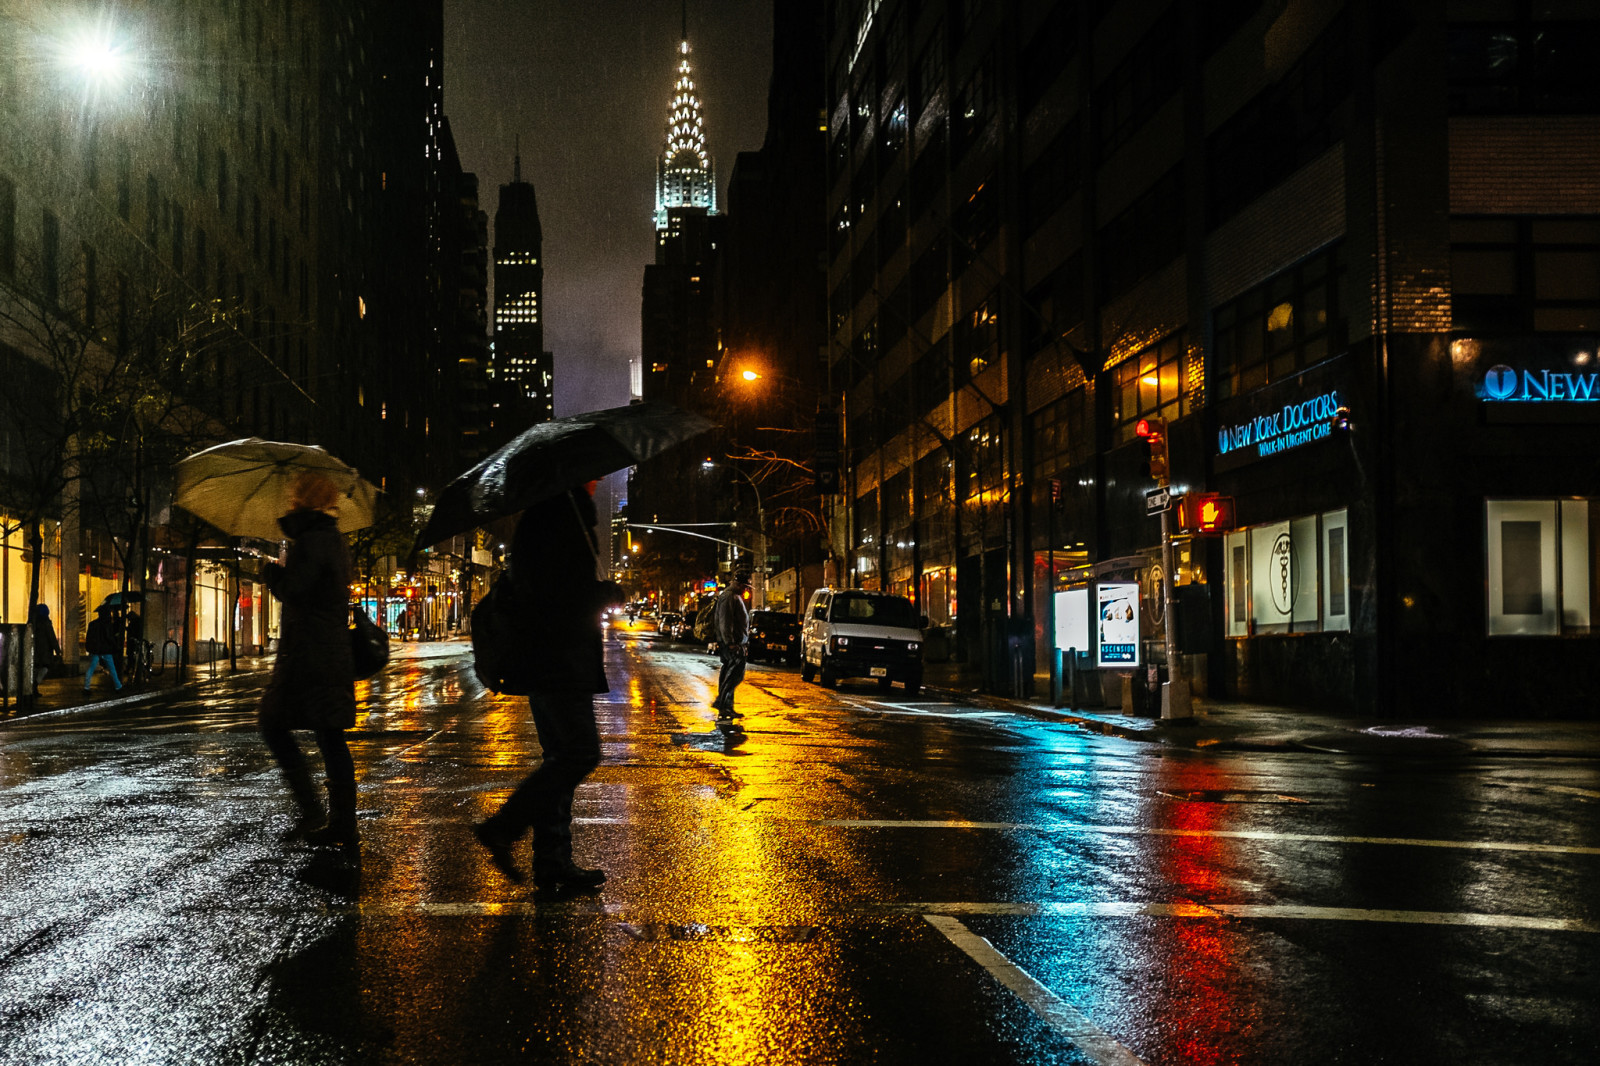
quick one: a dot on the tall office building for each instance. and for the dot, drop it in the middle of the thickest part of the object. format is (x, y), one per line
(523, 372)
(679, 341)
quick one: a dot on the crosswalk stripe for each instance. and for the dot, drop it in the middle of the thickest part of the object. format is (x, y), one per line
(1098, 1045)
(1225, 834)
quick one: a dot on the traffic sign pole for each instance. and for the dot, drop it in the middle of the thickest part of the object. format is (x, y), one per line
(1175, 693)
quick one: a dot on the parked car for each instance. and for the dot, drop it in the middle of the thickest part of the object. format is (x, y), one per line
(854, 633)
(684, 630)
(774, 636)
(667, 623)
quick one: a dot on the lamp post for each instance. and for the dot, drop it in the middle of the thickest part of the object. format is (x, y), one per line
(760, 594)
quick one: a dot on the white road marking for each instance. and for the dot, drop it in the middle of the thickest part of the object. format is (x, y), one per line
(1227, 834)
(1100, 1046)
(1286, 911)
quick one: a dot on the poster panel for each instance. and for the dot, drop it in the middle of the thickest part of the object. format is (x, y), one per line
(1117, 616)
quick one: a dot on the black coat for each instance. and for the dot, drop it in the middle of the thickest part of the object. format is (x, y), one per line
(313, 681)
(558, 596)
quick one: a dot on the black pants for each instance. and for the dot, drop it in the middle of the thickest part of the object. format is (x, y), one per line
(733, 657)
(336, 761)
(570, 740)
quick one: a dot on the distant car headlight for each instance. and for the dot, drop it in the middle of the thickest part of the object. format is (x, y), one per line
(841, 642)
(912, 645)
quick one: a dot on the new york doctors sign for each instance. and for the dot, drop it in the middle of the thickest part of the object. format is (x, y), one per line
(1281, 418)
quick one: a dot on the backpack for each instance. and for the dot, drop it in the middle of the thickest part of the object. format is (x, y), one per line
(705, 620)
(496, 658)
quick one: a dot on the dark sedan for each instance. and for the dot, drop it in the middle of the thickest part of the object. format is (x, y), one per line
(774, 636)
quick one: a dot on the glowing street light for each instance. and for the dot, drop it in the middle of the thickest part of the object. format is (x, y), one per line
(750, 375)
(96, 56)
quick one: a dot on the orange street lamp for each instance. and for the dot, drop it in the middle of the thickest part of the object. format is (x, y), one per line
(751, 375)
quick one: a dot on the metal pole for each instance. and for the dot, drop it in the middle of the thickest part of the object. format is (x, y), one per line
(1175, 693)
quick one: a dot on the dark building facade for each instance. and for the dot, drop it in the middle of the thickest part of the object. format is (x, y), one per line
(282, 188)
(1346, 250)
(522, 372)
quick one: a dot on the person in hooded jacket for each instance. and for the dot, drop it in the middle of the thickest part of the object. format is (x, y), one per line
(560, 600)
(313, 680)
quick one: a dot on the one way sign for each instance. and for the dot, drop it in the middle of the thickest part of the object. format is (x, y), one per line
(1157, 500)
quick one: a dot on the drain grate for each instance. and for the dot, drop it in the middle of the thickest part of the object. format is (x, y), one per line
(1225, 796)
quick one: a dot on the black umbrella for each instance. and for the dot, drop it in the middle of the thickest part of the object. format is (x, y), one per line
(554, 456)
(122, 599)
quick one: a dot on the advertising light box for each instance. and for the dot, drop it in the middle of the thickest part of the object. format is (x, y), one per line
(1072, 619)
(1117, 614)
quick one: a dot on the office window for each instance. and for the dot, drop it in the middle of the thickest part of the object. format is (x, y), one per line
(50, 258)
(8, 226)
(1539, 563)
(1279, 328)
(1151, 383)
(1540, 63)
(1518, 274)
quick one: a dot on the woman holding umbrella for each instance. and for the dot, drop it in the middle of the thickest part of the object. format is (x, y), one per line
(313, 680)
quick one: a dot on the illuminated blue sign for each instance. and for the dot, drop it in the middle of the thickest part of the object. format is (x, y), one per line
(1288, 427)
(1502, 384)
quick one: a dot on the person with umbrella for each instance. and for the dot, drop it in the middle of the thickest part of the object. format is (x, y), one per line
(101, 642)
(313, 680)
(548, 473)
(559, 600)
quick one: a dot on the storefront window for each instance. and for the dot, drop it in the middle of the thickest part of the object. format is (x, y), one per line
(1539, 564)
(1288, 577)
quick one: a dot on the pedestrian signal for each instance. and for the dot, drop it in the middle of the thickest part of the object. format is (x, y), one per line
(1206, 513)
(1154, 432)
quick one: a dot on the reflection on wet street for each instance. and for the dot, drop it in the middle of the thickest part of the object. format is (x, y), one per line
(851, 876)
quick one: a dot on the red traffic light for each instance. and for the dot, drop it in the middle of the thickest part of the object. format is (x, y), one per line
(1206, 513)
(1154, 433)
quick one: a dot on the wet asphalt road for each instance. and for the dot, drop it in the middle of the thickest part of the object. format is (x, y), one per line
(860, 877)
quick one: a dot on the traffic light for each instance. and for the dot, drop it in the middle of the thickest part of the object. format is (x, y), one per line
(826, 457)
(1206, 513)
(1154, 432)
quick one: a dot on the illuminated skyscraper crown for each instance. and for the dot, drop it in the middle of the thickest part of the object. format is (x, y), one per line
(685, 175)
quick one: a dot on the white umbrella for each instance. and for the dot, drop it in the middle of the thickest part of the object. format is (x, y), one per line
(242, 487)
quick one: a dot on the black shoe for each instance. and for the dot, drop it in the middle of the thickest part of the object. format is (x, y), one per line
(303, 827)
(564, 874)
(728, 713)
(499, 847)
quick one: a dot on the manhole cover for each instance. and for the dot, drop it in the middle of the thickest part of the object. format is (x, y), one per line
(1223, 796)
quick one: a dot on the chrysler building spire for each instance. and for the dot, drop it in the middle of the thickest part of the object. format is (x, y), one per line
(685, 174)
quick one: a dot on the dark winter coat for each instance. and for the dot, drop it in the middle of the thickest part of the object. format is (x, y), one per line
(313, 681)
(46, 648)
(559, 598)
(101, 638)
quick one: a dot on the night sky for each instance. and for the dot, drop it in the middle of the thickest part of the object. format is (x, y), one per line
(586, 85)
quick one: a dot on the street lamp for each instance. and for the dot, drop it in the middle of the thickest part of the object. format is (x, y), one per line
(761, 524)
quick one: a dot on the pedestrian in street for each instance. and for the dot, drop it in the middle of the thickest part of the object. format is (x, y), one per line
(560, 600)
(732, 628)
(313, 680)
(46, 648)
(101, 644)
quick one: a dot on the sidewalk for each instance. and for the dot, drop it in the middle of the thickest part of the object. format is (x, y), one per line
(1222, 725)
(61, 694)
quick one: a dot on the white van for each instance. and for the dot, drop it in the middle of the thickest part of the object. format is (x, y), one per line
(854, 633)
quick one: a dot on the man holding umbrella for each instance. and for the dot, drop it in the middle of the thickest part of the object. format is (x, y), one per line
(548, 474)
(560, 601)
